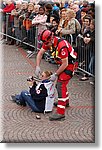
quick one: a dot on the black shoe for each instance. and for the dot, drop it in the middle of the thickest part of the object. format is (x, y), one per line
(56, 117)
(56, 103)
(13, 98)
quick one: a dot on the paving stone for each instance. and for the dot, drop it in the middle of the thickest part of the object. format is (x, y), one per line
(20, 123)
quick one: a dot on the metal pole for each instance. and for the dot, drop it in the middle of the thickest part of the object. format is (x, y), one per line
(7, 23)
(36, 39)
(71, 38)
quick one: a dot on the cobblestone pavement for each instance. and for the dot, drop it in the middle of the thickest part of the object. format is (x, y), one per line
(20, 123)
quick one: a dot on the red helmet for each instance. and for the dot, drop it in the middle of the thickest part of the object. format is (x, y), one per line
(46, 35)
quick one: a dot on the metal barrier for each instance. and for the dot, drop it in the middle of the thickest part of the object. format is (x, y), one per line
(85, 52)
(69, 38)
(86, 56)
(27, 37)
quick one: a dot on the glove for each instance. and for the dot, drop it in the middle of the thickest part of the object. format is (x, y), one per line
(37, 71)
(53, 77)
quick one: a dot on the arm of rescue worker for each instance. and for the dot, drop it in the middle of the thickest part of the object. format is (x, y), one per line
(63, 66)
(38, 61)
(39, 56)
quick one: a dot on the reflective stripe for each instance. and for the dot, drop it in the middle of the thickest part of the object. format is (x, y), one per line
(66, 43)
(60, 106)
(63, 99)
(72, 53)
(67, 93)
(67, 97)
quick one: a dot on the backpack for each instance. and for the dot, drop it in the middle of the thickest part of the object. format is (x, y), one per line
(71, 60)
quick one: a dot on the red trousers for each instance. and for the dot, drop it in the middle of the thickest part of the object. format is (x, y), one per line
(63, 96)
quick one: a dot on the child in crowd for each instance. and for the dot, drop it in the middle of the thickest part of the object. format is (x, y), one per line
(40, 97)
(40, 22)
(54, 25)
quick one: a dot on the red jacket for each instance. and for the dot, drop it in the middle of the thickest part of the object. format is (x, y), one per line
(9, 8)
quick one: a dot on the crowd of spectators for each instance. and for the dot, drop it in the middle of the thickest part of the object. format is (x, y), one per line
(71, 17)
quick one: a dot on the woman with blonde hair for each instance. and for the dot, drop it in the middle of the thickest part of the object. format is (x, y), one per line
(63, 21)
(73, 27)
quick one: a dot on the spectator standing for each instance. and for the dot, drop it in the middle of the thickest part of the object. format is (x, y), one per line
(27, 22)
(63, 21)
(36, 9)
(54, 25)
(77, 10)
(66, 5)
(15, 13)
(54, 22)
(48, 11)
(53, 16)
(85, 51)
(86, 24)
(70, 4)
(7, 9)
(89, 44)
(40, 22)
(83, 14)
(92, 46)
(73, 27)
(22, 15)
(91, 10)
(56, 9)
(85, 4)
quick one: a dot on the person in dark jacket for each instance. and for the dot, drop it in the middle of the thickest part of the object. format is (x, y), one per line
(89, 41)
(77, 11)
(40, 97)
(48, 11)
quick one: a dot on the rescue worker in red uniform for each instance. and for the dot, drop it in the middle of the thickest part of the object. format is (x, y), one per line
(65, 56)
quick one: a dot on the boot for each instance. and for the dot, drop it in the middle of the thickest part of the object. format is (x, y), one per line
(56, 117)
(56, 103)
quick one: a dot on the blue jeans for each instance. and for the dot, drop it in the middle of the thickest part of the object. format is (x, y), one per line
(92, 65)
(25, 97)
